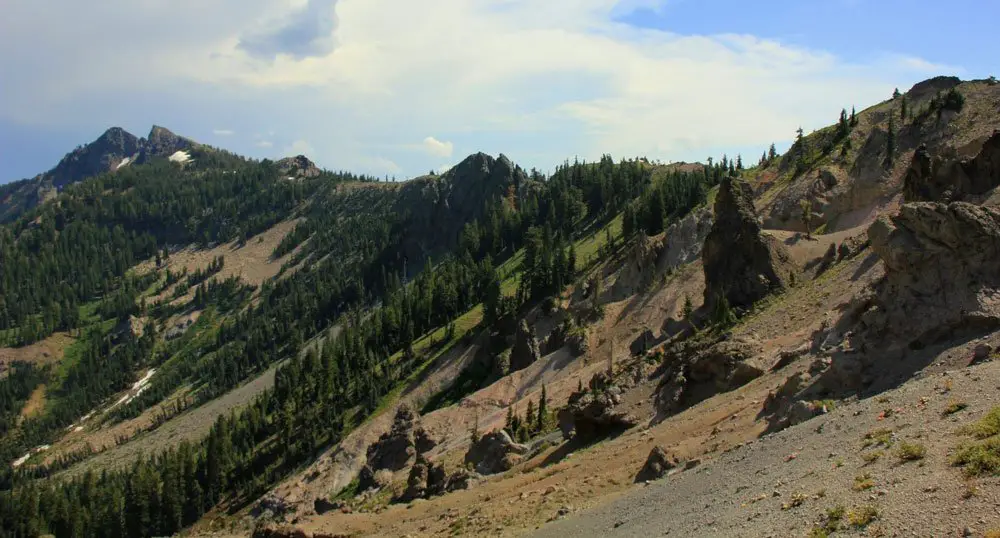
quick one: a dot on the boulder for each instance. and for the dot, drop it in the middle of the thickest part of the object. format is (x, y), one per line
(395, 449)
(643, 343)
(685, 238)
(494, 453)
(593, 414)
(577, 342)
(946, 178)
(802, 411)
(942, 271)
(726, 364)
(525, 351)
(670, 393)
(741, 265)
(461, 479)
(659, 462)
(416, 483)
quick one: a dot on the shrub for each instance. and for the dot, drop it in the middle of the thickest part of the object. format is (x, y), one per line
(911, 451)
(862, 516)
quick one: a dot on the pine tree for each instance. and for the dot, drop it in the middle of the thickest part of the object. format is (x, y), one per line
(806, 206)
(529, 417)
(771, 153)
(895, 93)
(903, 109)
(509, 424)
(854, 117)
(739, 162)
(688, 307)
(543, 410)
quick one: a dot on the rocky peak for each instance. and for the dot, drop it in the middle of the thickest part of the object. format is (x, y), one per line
(933, 86)
(298, 166)
(741, 264)
(161, 142)
(99, 156)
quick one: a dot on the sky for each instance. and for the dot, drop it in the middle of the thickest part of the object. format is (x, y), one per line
(397, 87)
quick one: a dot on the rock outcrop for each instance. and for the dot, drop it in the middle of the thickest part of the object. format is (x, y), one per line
(741, 264)
(494, 453)
(711, 367)
(726, 364)
(659, 462)
(685, 238)
(942, 271)
(936, 178)
(596, 412)
(395, 450)
(298, 166)
(526, 350)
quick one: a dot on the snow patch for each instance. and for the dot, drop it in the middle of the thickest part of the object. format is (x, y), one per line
(180, 157)
(78, 429)
(20, 461)
(125, 162)
(138, 388)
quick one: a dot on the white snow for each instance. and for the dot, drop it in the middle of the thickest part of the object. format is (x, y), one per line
(137, 388)
(125, 162)
(78, 429)
(20, 461)
(180, 157)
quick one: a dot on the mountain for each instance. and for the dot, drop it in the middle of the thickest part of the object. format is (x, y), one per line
(109, 152)
(279, 350)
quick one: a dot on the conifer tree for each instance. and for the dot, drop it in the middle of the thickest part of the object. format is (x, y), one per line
(543, 410)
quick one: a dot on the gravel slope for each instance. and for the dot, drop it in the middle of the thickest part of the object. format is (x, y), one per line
(748, 491)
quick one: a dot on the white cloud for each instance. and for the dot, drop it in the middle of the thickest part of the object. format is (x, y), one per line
(222, 132)
(264, 144)
(435, 147)
(539, 81)
(300, 147)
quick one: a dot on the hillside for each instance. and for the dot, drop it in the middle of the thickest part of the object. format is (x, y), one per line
(213, 345)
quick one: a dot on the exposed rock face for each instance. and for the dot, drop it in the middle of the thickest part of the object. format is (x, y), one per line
(720, 366)
(596, 412)
(395, 449)
(659, 462)
(495, 452)
(947, 179)
(685, 238)
(525, 351)
(942, 265)
(741, 264)
(726, 364)
(99, 156)
(643, 343)
(298, 166)
(161, 142)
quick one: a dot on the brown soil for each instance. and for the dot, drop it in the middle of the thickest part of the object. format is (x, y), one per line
(47, 351)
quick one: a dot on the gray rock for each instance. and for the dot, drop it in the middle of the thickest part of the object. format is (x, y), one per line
(945, 178)
(741, 264)
(659, 462)
(495, 452)
(525, 351)
(685, 238)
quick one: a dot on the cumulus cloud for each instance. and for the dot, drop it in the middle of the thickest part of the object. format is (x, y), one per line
(538, 81)
(435, 147)
(305, 32)
(222, 132)
(300, 147)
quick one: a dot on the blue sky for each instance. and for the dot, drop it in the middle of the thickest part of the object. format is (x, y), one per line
(542, 82)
